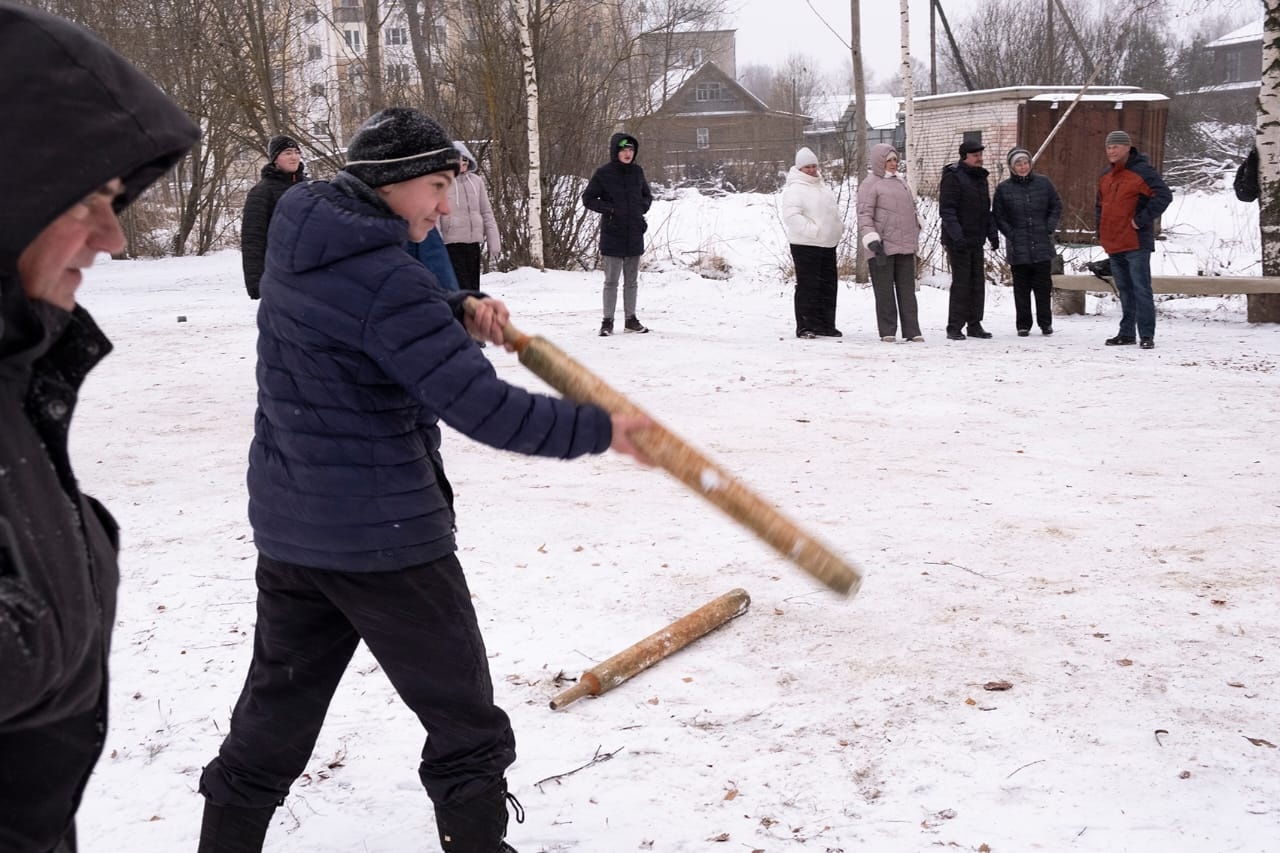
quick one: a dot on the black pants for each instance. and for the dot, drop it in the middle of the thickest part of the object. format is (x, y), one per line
(1031, 279)
(421, 627)
(816, 287)
(968, 296)
(465, 258)
(43, 771)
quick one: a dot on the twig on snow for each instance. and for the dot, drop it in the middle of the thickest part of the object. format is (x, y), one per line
(598, 758)
(1028, 764)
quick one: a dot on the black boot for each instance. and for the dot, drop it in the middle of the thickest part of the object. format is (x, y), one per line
(234, 829)
(479, 824)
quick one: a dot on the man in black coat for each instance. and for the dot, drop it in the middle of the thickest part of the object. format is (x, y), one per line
(619, 192)
(283, 171)
(964, 205)
(83, 134)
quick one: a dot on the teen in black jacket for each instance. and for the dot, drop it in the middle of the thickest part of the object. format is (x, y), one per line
(278, 176)
(619, 192)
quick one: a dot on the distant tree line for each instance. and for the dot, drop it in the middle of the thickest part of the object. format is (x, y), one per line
(230, 64)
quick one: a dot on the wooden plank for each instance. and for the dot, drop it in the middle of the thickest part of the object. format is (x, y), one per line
(1190, 285)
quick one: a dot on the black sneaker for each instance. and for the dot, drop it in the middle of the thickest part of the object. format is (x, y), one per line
(634, 325)
(1121, 341)
(955, 335)
(1022, 333)
(806, 334)
(1148, 343)
(833, 332)
(1047, 331)
(976, 331)
(606, 327)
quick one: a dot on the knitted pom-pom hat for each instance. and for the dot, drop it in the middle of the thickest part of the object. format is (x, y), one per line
(399, 144)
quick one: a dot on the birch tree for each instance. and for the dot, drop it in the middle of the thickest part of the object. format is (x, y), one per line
(908, 89)
(1265, 307)
(535, 149)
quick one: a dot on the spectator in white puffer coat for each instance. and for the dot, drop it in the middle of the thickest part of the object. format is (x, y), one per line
(890, 229)
(469, 222)
(814, 228)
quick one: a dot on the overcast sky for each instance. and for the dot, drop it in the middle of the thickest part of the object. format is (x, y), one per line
(771, 30)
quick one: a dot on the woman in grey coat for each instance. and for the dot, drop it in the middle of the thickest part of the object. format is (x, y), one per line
(1027, 209)
(890, 230)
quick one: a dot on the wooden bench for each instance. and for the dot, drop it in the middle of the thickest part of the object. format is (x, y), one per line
(1069, 290)
(1189, 285)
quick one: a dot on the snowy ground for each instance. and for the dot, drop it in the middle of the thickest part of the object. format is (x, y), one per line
(1095, 526)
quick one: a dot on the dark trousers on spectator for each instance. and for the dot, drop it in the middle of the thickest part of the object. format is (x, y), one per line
(465, 258)
(816, 287)
(420, 626)
(968, 296)
(893, 281)
(1032, 280)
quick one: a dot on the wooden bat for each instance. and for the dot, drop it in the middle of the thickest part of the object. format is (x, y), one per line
(686, 464)
(653, 648)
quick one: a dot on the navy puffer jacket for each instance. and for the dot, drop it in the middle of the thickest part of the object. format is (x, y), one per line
(1027, 211)
(360, 353)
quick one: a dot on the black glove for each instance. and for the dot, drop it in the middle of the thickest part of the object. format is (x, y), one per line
(995, 243)
(877, 249)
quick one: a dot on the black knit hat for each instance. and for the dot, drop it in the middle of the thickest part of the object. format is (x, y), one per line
(279, 144)
(399, 144)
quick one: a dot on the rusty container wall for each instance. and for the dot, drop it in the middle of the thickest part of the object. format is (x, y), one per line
(1077, 157)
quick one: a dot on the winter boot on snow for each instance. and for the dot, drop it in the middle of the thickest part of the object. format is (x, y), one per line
(606, 327)
(479, 824)
(634, 325)
(234, 829)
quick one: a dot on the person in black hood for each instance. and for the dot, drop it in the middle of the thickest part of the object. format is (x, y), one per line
(84, 133)
(619, 192)
(284, 169)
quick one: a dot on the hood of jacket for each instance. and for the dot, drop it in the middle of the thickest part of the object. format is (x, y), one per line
(322, 222)
(76, 115)
(879, 153)
(466, 155)
(795, 176)
(617, 140)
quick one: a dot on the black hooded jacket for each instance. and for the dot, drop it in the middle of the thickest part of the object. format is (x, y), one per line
(75, 117)
(620, 194)
(258, 207)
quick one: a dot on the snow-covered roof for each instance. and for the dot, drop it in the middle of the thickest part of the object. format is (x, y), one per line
(882, 111)
(1102, 96)
(825, 109)
(1247, 33)
(667, 85)
(678, 78)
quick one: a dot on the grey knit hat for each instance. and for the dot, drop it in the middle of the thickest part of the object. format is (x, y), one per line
(1119, 137)
(400, 144)
(1018, 154)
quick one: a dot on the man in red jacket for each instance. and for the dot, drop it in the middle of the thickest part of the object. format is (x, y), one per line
(1131, 197)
